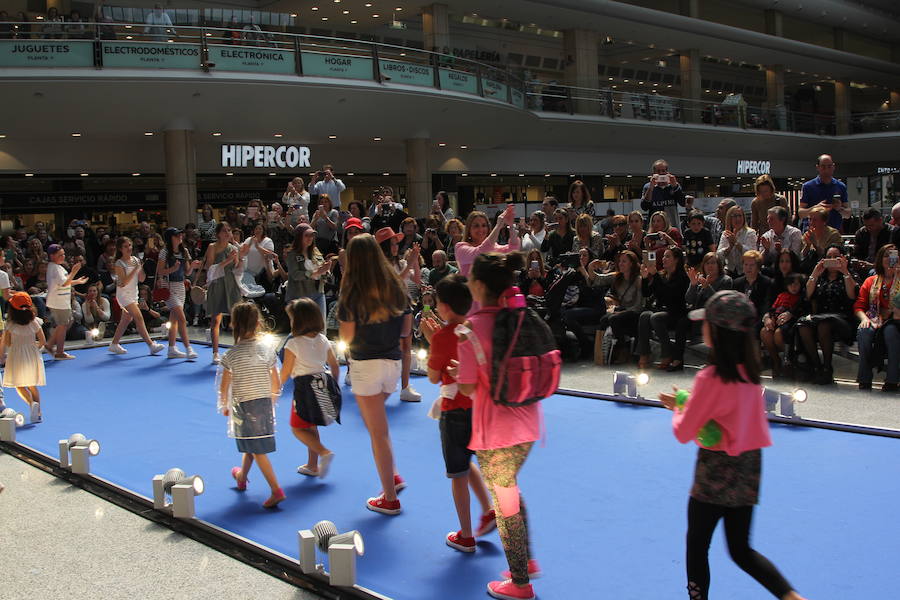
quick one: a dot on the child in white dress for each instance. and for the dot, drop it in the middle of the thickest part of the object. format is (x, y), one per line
(23, 338)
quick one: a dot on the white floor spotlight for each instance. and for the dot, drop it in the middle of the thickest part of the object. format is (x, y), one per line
(626, 384)
(9, 420)
(342, 549)
(91, 334)
(181, 488)
(784, 401)
(75, 453)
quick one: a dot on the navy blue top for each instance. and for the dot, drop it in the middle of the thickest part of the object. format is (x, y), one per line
(178, 274)
(814, 191)
(374, 340)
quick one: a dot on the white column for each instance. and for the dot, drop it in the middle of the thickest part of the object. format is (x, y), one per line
(181, 176)
(418, 177)
(436, 28)
(581, 59)
(689, 61)
(842, 106)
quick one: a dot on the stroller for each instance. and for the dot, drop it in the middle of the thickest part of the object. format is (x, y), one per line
(266, 302)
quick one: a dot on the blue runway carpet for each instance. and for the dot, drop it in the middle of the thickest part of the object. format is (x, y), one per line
(606, 492)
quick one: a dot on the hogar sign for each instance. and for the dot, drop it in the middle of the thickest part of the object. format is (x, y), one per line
(282, 157)
(754, 167)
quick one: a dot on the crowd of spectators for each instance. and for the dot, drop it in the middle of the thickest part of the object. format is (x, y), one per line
(613, 287)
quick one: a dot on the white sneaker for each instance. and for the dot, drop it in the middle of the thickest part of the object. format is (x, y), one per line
(216, 359)
(117, 349)
(324, 463)
(408, 394)
(156, 348)
(191, 353)
(175, 353)
(36, 412)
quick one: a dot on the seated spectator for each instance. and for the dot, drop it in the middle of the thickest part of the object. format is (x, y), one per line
(779, 236)
(705, 281)
(454, 229)
(95, 308)
(878, 333)
(560, 240)
(605, 225)
(533, 278)
(356, 209)
(832, 291)
(440, 268)
(666, 290)
(152, 316)
(410, 230)
(660, 235)
(870, 238)
(35, 249)
(206, 224)
(617, 238)
(787, 263)
(698, 240)
(549, 206)
(586, 237)
(818, 238)
(433, 240)
(623, 303)
(635, 234)
(736, 239)
(779, 323)
(533, 239)
(767, 198)
(37, 283)
(754, 284)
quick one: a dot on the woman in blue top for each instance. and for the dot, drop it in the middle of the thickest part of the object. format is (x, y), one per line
(373, 311)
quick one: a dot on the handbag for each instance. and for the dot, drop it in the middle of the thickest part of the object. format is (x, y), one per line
(160, 294)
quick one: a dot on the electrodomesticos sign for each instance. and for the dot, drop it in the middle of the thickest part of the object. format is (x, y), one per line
(754, 167)
(283, 157)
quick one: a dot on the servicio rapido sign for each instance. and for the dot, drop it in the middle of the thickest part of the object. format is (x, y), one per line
(282, 157)
(754, 167)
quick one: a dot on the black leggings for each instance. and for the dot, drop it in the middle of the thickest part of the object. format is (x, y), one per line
(702, 521)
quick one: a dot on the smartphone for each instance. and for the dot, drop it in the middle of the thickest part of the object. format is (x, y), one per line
(651, 255)
(831, 263)
(534, 265)
(252, 212)
(662, 179)
(654, 237)
(893, 258)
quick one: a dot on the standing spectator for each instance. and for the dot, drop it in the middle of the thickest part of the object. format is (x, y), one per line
(206, 224)
(667, 289)
(560, 240)
(662, 192)
(832, 290)
(305, 269)
(296, 197)
(766, 198)
(697, 239)
(159, 24)
(409, 228)
(22, 28)
(433, 240)
(779, 235)
(387, 213)
(580, 200)
(873, 309)
(870, 238)
(325, 222)
(736, 239)
(536, 233)
(454, 230)
(548, 207)
(7, 29)
(827, 193)
(75, 29)
(329, 184)
(442, 206)
(818, 237)
(53, 25)
(477, 239)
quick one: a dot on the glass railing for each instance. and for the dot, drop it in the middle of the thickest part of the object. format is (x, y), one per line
(253, 49)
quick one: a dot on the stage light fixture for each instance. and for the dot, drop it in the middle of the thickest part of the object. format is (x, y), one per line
(342, 549)
(268, 339)
(181, 488)
(422, 354)
(75, 453)
(9, 420)
(643, 379)
(342, 346)
(799, 396)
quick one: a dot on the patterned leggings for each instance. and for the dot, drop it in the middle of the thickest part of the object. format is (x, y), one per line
(499, 468)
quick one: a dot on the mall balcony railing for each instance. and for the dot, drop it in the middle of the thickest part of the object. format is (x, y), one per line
(137, 45)
(616, 104)
(875, 122)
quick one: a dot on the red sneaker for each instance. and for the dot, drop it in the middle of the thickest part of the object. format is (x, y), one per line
(507, 590)
(386, 507)
(487, 524)
(276, 497)
(463, 544)
(399, 483)
(534, 571)
(241, 482)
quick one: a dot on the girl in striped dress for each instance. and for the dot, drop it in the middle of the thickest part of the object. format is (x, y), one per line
(172, 268)
(248, 388)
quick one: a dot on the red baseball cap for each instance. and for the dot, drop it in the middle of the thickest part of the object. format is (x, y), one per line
(353, 222)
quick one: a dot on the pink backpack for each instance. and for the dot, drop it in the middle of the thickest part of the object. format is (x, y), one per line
(526, 364)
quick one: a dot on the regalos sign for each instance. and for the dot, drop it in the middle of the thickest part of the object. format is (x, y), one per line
(754, 167)
(269, 157)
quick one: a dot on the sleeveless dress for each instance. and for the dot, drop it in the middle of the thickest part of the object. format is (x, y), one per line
(127, 294)
(24, 367)
(173, 281)
(223, 292)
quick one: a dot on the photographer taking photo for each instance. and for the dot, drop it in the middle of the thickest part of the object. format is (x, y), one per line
(662, 192)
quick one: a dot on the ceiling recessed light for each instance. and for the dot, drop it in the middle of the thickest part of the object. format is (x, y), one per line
(135, 174)
(148, 133)
(86, 174)
(351, 174)
(217, 133)
(463, 147)
(385, 174)
(346, 12)
(315, 8)
(465, 174)
(546, 174)
(521, 174)
(375, 16)
(442, 144)
(272, 174)
(294, 15)
(76, 135)
(368, 4)
(324, 18)
(2, 136)
(399, 8)
(377, 139)
(354, 22)
(128, 37)
(332, 137)
(229, 174)
(279, 135)
(493, 174)
(29, 174)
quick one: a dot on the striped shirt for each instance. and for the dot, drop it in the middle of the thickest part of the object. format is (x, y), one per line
(250, 363)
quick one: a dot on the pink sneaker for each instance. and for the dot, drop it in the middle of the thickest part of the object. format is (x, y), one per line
(487, 524)
(236, 473)
(399, 483)
(274, 499)
(457, 541)
(534, 571)
(385, 507)
(507, 590)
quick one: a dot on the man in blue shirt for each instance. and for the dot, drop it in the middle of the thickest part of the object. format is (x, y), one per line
(822, 191)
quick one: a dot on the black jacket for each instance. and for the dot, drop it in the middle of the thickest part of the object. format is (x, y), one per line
(759, 294)
(862, 238)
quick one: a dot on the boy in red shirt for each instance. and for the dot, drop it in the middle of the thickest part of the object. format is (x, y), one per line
(454, 300)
